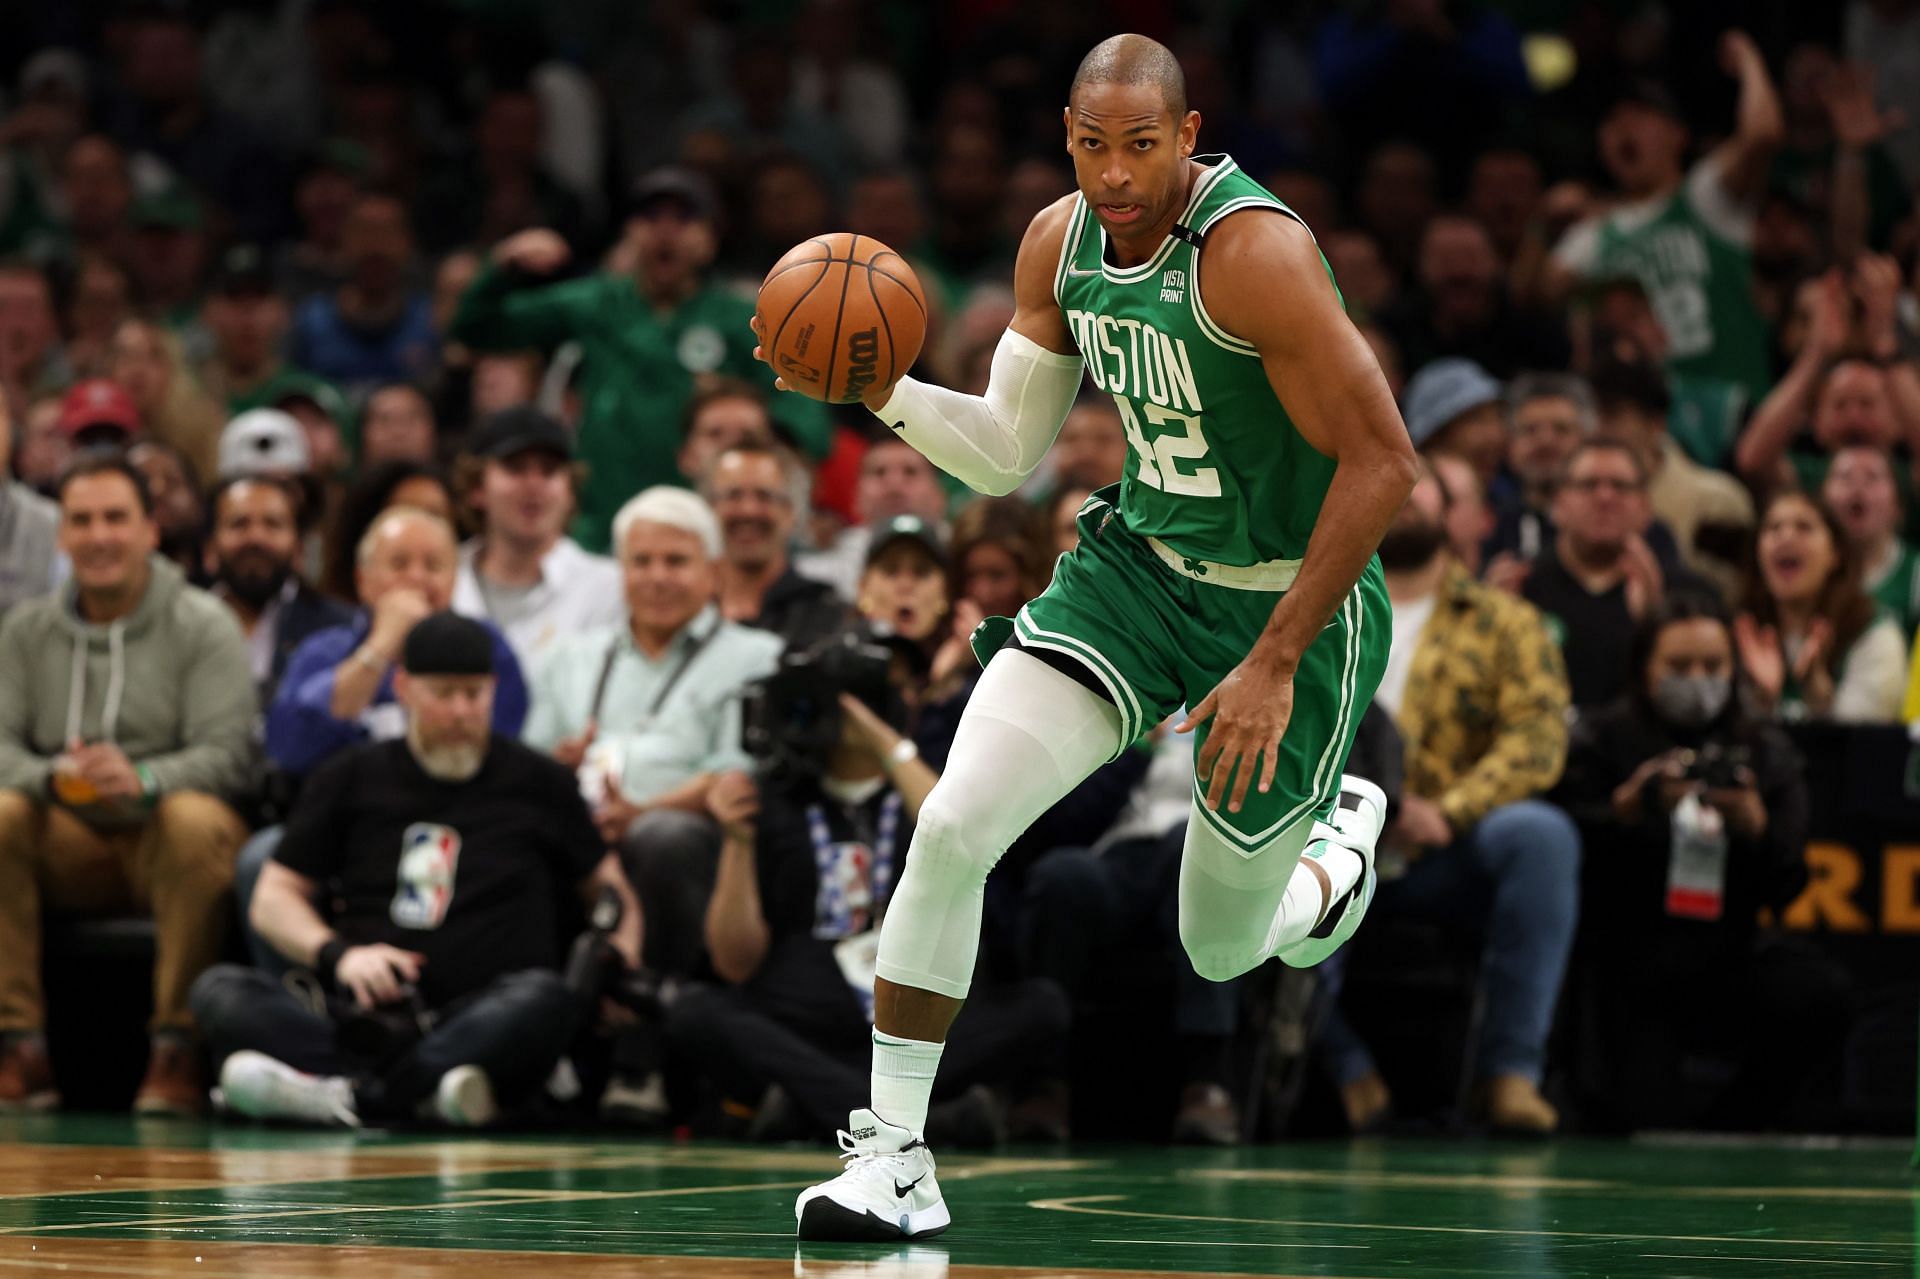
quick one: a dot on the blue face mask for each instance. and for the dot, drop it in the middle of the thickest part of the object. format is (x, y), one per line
(1692, 701)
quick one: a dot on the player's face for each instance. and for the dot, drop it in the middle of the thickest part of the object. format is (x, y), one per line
(1130, 157)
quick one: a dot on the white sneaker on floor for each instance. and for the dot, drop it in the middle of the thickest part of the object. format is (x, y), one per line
(886, 1192)
(464, 1098)
(254, 1084)
(1359, 814)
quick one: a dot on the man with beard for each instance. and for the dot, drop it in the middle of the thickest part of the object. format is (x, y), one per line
(251, 549)
(448, 848)
(1477, 688)
(1599, 577)
(751, 488)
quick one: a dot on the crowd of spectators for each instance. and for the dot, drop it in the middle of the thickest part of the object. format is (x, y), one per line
(397, 536)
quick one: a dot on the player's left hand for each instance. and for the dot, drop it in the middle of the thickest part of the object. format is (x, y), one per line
(1250, 709)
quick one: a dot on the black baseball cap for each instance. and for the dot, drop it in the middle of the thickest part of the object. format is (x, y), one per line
(447, 644)
(243, 272)
(907, 528)
(673, 182)
(519, 430)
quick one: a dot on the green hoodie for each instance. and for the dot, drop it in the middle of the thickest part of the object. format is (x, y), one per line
(169, 683)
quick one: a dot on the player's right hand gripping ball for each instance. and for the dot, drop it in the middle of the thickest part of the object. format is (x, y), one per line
(839, 315)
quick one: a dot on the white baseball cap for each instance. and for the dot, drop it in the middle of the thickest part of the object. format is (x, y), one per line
(264, 442)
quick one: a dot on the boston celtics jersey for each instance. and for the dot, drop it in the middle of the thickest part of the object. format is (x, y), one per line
(1692, 253)
(1215, 467)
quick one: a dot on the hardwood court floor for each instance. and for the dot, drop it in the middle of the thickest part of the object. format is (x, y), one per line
(94, 1195)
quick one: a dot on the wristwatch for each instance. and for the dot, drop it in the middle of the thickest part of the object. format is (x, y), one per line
(903, 751)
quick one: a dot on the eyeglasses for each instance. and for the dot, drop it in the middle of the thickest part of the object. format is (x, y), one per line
(1594, 483)
(772, 497)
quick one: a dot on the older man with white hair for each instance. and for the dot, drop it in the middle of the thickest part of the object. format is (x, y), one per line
(648, 713)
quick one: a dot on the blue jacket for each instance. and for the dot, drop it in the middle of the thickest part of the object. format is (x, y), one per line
(301, 729)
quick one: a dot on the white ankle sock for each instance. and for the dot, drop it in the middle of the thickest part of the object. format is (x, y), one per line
(1305, 902)
(903, 1071)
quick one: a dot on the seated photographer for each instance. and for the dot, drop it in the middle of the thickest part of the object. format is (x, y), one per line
(1695, 814)
(449, 851)
(646, 712)
(810, 856)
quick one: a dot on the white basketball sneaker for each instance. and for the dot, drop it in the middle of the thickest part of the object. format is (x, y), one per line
(885, 1194)
(263, 1087)
(1358, 817)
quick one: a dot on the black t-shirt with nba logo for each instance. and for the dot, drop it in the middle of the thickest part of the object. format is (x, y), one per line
(470, 874)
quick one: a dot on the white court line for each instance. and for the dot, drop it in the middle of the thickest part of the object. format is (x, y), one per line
(335, 1210)
(1077, 1204)
(1220, 1243)
(1781, 1261)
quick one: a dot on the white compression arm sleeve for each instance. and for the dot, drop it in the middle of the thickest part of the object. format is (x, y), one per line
(990, 442)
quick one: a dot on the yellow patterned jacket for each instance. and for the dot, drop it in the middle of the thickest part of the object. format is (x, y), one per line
(1485, 711)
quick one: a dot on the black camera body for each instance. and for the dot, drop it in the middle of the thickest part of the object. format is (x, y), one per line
(1718, 765)
(381, 1034)
(791, 719)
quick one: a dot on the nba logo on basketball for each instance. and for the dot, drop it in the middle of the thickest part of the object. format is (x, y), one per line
(429, 856)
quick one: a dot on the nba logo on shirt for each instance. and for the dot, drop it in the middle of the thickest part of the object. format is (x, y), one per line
(429, 856)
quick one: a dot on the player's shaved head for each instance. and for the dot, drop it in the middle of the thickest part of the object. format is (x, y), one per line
(1134, 59)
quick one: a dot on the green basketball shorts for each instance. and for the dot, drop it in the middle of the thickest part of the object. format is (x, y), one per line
(1157, 634)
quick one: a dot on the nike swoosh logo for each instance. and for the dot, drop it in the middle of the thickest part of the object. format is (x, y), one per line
(1075, 271)
(900, 1191)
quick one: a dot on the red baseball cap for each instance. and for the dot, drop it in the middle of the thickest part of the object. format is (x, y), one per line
(98, 402)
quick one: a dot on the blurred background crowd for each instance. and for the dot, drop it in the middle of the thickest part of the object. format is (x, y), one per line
(322, 318)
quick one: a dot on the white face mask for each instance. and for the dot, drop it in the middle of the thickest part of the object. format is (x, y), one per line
(1692, 701)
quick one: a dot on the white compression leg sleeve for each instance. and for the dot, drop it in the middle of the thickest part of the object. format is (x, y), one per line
(990, 442)
(1236, 911)
(1028, 736)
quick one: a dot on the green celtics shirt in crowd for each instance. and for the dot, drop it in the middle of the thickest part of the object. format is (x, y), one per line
(637, 372)
(1216, 469)
(1692, 252)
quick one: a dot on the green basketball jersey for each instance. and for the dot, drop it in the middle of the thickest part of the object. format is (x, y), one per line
(1693, 255)
(1215, 467)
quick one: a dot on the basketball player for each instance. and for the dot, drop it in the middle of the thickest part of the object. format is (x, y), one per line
(1231, 571)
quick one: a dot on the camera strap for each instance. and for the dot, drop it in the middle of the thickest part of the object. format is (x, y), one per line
(832, 901)
(673, 677)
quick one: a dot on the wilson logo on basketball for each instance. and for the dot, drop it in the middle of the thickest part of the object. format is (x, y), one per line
(863, 361)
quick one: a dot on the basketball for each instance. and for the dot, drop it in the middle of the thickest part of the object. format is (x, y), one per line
(840, 314)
